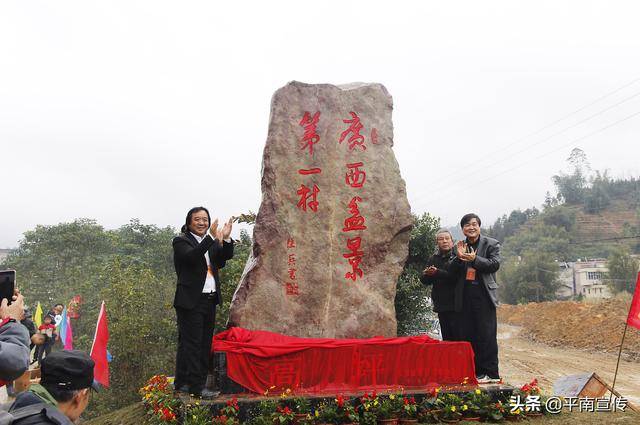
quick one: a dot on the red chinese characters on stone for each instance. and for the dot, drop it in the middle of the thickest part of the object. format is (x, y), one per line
(355, 177)
(355, 221)
(374, 136)
(309, 171)
(310, 137)
(353, 131)
(308, 198)
(291, 286)
(355, 257)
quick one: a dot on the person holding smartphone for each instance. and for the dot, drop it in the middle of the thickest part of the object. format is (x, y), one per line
(443, 284)
(198, 254)
(14, 338)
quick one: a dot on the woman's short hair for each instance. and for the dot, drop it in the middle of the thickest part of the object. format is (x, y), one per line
(192, 211)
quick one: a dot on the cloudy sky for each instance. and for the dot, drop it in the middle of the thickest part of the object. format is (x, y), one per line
(122, 109)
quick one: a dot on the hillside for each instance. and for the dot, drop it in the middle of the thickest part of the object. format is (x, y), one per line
(607, 223)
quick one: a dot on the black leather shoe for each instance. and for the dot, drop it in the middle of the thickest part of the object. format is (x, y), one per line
(183, 389)
(206, 394)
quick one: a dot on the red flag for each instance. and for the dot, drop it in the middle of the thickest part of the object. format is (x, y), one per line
(634, 312)
(99, 349)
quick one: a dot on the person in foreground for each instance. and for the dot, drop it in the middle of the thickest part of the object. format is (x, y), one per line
(14, 339)
(476, 262)
(198, 253)
(437, 274)
(63, 393)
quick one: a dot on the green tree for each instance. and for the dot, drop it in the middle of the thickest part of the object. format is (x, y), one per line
(230, 276)
(571, 187)
(413, 312)
(597, 198)
(552, 240)
(623, 270)
(142, 330)
(531, 277)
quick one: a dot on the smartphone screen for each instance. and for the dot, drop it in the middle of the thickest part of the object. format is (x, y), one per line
(7, 284)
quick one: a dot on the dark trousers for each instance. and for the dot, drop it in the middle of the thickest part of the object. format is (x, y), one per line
(479, 326)
(195, 333)
(449, 325)
(43, 350)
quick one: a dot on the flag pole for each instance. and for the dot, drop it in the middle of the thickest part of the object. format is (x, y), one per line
(615, 375)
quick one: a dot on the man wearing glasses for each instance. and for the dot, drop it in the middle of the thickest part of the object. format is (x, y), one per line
(476, 262)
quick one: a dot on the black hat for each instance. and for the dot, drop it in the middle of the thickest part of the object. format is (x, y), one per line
(68, 370)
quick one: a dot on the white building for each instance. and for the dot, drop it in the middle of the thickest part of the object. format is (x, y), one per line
(586, 278)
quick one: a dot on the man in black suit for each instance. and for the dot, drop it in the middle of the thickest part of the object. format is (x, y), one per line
(476, 262)
(198, 253)
(437, 274)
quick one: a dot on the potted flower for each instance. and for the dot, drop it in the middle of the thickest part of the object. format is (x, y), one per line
(346, 412)
(367, 408)
(160, 404)
(450, 406)
(389, 410)
(409, 412)
(196, 415)
(327, 413)
(496, 411)
(263, 414)
(531, 396)
(476, 402)
(302, 409)
(428, 411)
(283, 416)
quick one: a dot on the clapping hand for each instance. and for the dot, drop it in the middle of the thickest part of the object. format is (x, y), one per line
(462, 253)
(213, 230)
(430, 271)
(225, 232)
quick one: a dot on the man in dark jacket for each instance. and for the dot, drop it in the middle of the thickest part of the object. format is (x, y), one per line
(198, 253)
(63, 392)
(476, 262)
(437, 274)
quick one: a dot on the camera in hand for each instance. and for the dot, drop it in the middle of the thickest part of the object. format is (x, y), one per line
(7, 284)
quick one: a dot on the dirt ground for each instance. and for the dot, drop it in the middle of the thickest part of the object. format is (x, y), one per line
(521, 360)
(597, 326)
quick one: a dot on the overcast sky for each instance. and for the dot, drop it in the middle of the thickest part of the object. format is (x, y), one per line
(122, 109)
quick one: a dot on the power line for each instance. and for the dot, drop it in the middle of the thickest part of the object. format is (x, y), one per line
(562, 146)
(621, 238)
(548, 125)
(529, 147)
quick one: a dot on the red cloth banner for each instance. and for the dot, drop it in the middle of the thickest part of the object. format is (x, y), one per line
(260, 360)
(633, 319)
(99, 349)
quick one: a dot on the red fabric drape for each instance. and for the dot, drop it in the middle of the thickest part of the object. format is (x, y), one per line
(259, 360)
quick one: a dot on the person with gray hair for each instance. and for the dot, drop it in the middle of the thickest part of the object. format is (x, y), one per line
(436, 273)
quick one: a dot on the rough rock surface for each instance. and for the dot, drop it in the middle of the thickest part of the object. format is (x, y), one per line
(327, 267)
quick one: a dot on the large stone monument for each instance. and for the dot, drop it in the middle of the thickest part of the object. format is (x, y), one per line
(331, 236)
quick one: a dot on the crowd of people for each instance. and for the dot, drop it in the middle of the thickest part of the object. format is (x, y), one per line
(464, 292)
(66, 375)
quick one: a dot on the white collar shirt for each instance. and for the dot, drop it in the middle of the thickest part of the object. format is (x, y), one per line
(209, 283)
